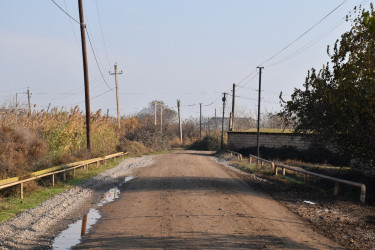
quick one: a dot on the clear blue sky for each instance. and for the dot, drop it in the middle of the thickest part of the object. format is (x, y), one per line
(192, 50)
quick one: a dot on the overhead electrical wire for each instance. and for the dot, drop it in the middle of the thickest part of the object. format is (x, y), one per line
(75, 20)
(101, 30)
(303, 34)
(90, 42)
(96, 60)
(71, 25)
(308, 45)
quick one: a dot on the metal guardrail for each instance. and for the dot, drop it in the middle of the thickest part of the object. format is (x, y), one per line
(239, 156)
(6, 183)
(337, 181)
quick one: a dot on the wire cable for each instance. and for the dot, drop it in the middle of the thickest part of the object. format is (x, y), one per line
(101, 29)
(96, 60)
(75, 20)
(303, 34)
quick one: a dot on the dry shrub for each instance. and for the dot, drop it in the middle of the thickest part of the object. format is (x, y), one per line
(20, 151)
(29, 142)
(133, 147)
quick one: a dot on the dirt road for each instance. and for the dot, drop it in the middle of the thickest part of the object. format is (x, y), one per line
(188, 200)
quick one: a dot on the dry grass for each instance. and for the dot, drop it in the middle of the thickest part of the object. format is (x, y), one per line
(30, 142)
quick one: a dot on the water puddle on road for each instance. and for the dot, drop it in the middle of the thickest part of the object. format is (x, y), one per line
(72, 235)
(127, 179)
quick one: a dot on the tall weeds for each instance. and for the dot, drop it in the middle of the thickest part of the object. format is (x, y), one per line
(29, 142)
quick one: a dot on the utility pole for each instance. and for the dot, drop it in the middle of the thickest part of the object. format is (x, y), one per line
(222, 122)
(107, 112)
(28, 99)
(179, 119)
(258, 123)
(155, 103)
(16, 100)
(200, 120)
(215, 121)
(231, 121)
(85, 74)
(161, 117)
(117, 98)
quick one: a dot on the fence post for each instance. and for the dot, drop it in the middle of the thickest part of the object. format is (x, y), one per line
(363, 193)
(336, 190)
(21, 190)
(283, 171)
(53, 180)
(250, 159)
(262, 164)
(273, 166)
(240, 158)
(74, 172)
(275, 170)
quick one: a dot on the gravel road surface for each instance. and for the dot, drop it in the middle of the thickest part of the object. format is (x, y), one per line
(186, 199)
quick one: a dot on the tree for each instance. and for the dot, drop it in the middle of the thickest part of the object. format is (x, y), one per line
(337, 104)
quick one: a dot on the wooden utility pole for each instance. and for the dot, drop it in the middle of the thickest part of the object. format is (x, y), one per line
(179, 119)
(28, 99)
(85, 75)
(200, 120)
(231, 120)
(222, 122)
(107, 112)
(215, 121)
(155, 103)
(258, 123)
(161, 117)
(117, 94)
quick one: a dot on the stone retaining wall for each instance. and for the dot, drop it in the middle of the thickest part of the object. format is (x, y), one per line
(237, 140)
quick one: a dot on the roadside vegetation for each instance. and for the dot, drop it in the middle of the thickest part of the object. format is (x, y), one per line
(337, 102)
(36, 192)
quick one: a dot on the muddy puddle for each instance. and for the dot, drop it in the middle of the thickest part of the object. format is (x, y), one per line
(72, 235)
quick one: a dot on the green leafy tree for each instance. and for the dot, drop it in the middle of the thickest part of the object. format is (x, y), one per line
(337, 104)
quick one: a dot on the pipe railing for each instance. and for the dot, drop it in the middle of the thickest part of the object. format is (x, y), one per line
(239, 156)
(10, 182)
(306, 173)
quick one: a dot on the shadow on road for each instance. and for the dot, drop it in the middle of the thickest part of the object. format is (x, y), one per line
(194, 240)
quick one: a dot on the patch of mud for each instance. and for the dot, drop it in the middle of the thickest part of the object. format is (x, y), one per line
(33, 228)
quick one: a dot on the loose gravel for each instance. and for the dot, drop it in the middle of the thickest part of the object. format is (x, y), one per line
(33, 228)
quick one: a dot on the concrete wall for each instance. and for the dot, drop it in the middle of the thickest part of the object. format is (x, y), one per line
(237, 140)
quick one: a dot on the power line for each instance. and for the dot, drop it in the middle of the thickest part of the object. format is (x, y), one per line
(75, 20)
(92, 98)
(308, 45)
(101, 29)
(304, 33)
(71, 25)
(96, 60)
